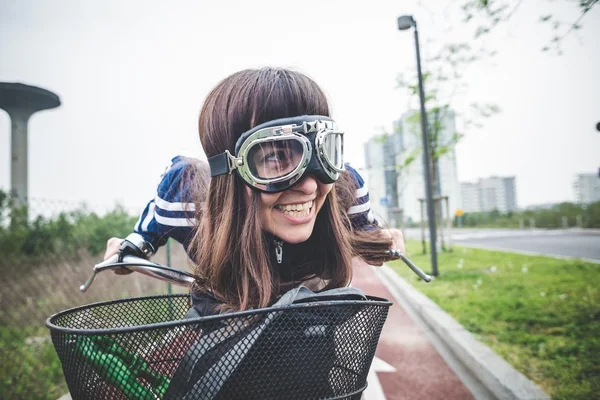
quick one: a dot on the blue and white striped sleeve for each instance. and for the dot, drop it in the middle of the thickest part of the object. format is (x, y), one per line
(171, 213)
(360, 213)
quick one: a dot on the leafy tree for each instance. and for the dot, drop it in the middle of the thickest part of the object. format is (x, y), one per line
(490, 13)
(444, 77)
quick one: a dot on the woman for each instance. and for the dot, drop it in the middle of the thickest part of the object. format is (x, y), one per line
(276, 211)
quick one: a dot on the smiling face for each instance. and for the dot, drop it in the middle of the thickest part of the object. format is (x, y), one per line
(290, 215)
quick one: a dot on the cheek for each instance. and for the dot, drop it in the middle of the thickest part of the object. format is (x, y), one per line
(268, 200)
(324, 189)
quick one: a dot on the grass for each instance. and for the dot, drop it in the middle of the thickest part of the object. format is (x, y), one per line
(28, 359)
(29, 366)
(542, 315)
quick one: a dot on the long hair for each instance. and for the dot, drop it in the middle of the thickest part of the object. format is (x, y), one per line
(369, 245)
(230, 249)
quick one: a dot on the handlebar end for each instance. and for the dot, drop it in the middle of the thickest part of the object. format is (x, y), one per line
(411, 265)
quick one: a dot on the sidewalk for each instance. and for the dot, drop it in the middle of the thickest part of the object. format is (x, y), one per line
(429, 355)
(420, 372)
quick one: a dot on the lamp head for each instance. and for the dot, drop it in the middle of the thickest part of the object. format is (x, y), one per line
(406, 22)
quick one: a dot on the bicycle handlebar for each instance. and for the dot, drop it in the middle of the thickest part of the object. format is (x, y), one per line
(181, 278)
(141, 265)
(411, 265)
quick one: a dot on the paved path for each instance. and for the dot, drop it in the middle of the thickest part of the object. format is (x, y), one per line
(418, 371)
(568, 243)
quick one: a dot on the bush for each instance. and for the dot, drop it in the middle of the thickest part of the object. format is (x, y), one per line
(544, 218)
(69, 232)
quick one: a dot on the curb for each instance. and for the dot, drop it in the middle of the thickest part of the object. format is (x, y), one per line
(493, 372)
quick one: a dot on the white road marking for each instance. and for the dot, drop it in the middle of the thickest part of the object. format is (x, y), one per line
(374, 391)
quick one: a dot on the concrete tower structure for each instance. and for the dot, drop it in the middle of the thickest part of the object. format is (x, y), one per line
(21, 102)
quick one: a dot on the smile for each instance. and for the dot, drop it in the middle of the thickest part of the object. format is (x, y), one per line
(296, 210)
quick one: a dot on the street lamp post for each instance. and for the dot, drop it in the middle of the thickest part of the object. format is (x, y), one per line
(406, 22)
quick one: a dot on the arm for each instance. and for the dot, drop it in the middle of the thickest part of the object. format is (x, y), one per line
(171, 213)
(360, 212)
(372, 249)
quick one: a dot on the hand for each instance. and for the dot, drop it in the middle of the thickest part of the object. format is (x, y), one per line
(397, 239)
(112, 247)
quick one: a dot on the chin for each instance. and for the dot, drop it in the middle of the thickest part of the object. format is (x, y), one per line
(293, 237)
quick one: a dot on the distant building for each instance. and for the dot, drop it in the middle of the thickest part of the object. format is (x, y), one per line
(587, 188)
(380, 154)
(471, 199)
(411, 181)
(488, 194)
(396, 188)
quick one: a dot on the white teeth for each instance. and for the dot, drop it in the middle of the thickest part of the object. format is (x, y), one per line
(301, 213)
(296, 210)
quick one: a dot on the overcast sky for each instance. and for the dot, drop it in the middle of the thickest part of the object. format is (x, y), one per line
(132, 76)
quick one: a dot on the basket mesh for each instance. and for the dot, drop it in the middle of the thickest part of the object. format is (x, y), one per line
(143, 349)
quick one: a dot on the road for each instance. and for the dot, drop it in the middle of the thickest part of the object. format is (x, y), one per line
(578, 243)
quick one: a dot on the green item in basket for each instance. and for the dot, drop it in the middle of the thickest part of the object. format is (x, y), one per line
(121, 368)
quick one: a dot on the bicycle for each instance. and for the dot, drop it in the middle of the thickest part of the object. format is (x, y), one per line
(307, 345)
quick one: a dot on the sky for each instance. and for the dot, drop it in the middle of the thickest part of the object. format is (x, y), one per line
(132, 76)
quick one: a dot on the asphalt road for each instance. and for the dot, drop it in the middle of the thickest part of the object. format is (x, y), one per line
(577, 243)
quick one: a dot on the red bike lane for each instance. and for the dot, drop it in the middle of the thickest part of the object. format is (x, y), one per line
(407, 366)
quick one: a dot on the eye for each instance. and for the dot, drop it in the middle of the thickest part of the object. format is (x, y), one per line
(276, 156)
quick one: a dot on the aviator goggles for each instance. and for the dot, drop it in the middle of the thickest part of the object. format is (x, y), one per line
(275, 155)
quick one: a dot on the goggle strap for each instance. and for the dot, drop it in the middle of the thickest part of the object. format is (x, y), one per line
(222, 164)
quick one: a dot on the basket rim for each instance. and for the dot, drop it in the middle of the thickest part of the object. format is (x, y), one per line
(371, 301)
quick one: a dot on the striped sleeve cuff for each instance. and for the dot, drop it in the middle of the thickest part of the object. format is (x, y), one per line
(360, 213)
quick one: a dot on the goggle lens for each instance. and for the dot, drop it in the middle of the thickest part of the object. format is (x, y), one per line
(333, 149)
(274, 159)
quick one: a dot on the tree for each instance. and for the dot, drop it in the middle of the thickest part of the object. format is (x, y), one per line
(444, 78)
(491, 13)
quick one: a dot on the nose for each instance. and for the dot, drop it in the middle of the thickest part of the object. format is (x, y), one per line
(307, 185)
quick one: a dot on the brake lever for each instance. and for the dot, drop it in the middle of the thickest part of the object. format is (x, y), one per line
(415, 269)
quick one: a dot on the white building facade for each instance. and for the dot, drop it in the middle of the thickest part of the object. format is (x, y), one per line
(587, 188)
(411, 178)
(471, 200)
(376, 178)
(380, 158)
(489, 194)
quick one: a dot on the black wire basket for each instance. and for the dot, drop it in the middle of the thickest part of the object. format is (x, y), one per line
(143, 348)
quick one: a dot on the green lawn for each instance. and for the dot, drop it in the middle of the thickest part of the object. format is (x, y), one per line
(540, 314)
(30, 368)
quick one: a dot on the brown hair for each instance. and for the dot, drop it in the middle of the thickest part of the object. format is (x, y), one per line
(368, 245)
(229, 246)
